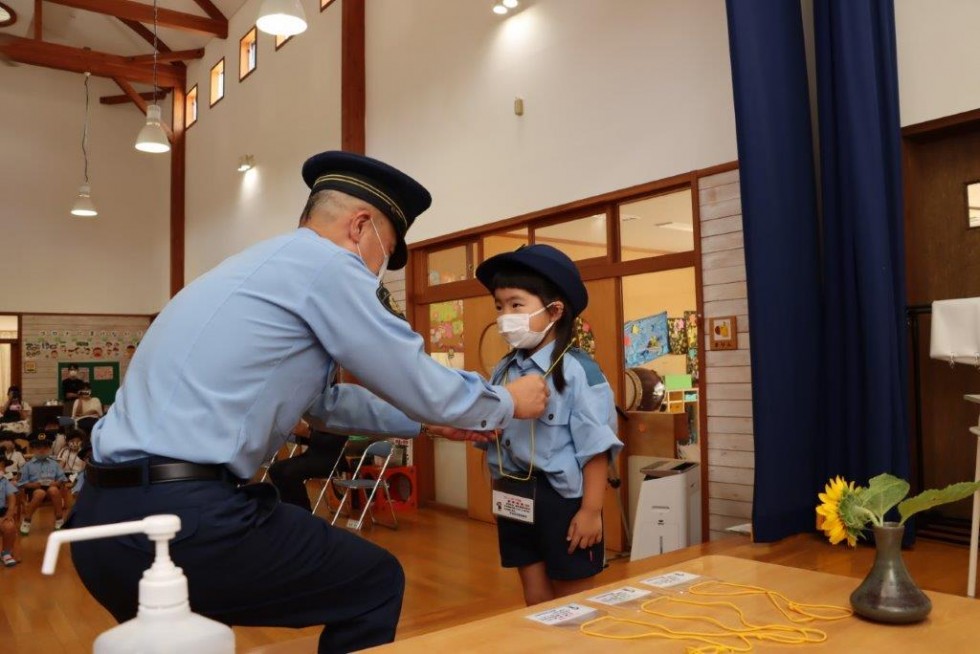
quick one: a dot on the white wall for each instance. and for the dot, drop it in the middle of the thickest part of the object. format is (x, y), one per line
(937, 58)
(616, 93)
(52, 261)
(285, 111)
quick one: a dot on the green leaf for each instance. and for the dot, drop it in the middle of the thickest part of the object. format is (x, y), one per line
(930, 498)
(883, 493)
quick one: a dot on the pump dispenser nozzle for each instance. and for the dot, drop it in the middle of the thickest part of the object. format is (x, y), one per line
(164, 621)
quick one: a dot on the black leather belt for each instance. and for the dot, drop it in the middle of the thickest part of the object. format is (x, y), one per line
(123, 476)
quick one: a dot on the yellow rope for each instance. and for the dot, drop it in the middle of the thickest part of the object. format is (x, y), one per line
(773, 633)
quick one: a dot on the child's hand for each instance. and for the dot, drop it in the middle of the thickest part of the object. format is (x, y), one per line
(585, 529)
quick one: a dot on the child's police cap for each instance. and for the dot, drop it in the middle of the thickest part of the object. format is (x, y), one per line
(40, 439)
(551, 263)
(399, 197)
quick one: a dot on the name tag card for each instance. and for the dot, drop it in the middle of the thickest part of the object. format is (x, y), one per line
(514, 500)
(620, 596)
(672, 580)
(564, 615)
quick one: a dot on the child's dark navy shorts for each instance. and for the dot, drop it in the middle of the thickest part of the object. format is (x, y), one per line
(522, 544)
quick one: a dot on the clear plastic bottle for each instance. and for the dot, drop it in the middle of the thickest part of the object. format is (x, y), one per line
(164, 623)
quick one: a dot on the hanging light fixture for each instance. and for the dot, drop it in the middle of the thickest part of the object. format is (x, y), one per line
(83, 205)
(281, 17)
(152, 138)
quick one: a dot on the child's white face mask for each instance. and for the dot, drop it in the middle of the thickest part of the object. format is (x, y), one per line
(515, 328)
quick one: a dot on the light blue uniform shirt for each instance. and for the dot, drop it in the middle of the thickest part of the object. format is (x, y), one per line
(233, 361)
(35, 470)
(6, 489)
(577, 425)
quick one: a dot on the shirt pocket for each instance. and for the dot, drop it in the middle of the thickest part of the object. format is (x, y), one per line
(553, 428)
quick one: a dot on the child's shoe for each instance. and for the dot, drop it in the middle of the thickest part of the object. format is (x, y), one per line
(8, 559)
(25, 526)
(59, 523)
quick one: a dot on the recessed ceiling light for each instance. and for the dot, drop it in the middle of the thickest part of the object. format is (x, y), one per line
(499, 9)
(510, 4)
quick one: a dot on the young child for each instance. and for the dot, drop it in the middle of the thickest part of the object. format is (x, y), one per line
(41, 478)
(8, 516)
(559, 461)
(69, 458)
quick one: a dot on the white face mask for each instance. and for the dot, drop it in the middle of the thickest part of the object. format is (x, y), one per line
(515, 328)
(384, 262)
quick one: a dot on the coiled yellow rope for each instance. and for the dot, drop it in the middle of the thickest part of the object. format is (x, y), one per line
(796, 613)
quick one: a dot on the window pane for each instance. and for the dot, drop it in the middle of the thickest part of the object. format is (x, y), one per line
(584, 238)
(501, 242)
(656, 226)
(450, 265)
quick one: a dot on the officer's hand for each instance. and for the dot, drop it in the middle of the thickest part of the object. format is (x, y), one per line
(454, 434)
(530, 395)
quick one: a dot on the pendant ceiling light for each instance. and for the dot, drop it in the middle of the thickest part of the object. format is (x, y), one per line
(281, 17)
(83, 205)
(152, 138)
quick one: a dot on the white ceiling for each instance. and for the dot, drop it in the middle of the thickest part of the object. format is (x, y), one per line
(81, 29)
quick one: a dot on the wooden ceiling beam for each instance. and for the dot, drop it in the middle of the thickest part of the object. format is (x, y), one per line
(167, 57)
(124, 99)
(38, 27)
(147, 35)
(79, 60)
(210, 9)
(144, 13)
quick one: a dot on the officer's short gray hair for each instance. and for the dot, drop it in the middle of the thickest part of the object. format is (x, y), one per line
(333, 204)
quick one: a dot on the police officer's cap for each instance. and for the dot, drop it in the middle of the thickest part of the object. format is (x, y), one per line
(551, 263)
(40, 439)
(399, 197)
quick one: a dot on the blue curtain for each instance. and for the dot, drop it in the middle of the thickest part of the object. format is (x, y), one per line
(866, 366)
(826, 289)
(779, 214)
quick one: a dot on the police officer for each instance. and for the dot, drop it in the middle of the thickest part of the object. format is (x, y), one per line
(223, 374)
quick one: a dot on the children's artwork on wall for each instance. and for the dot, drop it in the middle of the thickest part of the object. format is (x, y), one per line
(691, 322)
(677, 331)
(584, 337)
(692, 364)
(446, 326)
(646, 339)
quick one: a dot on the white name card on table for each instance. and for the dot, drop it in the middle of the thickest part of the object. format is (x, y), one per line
(671, 579)
(566, 614)
(620, 596)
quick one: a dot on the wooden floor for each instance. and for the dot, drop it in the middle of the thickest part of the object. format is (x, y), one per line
(453, 576)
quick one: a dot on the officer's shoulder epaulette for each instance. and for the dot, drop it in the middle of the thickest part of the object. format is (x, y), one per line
(593, 374)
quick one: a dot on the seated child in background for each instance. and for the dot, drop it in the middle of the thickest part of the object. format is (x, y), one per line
(70, 456)
(8, 516)
(42, 478)
(52, 429)
(14, 457)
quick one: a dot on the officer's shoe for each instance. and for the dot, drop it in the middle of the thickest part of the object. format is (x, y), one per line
(25, 527)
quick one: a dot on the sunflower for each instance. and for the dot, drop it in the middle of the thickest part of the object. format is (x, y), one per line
(838, 522)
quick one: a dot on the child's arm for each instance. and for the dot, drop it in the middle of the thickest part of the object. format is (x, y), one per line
(585, 529)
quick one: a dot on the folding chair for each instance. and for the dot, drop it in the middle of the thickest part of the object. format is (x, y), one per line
(293, 446)
(331, 478)
(382, 449)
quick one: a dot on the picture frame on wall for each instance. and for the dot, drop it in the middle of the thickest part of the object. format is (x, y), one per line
(723, 333)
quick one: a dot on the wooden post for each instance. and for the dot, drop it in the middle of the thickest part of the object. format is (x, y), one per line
(352, 77)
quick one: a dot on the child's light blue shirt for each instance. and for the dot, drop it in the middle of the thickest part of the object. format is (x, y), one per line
(577, 425)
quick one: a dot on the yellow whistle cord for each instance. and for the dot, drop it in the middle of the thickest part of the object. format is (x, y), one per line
(795, 612)
(530, 468)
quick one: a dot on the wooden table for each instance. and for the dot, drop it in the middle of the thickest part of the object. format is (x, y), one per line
(950, 628)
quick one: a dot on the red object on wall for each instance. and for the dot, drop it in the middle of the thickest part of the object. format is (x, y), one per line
(402, 485)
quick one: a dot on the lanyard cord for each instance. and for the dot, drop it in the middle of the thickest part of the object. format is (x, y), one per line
(500, 457)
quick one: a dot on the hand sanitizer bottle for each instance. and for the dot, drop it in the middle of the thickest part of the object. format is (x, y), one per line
(164, 623)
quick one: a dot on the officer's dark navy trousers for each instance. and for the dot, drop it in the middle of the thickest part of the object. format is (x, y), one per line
(249, 559)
